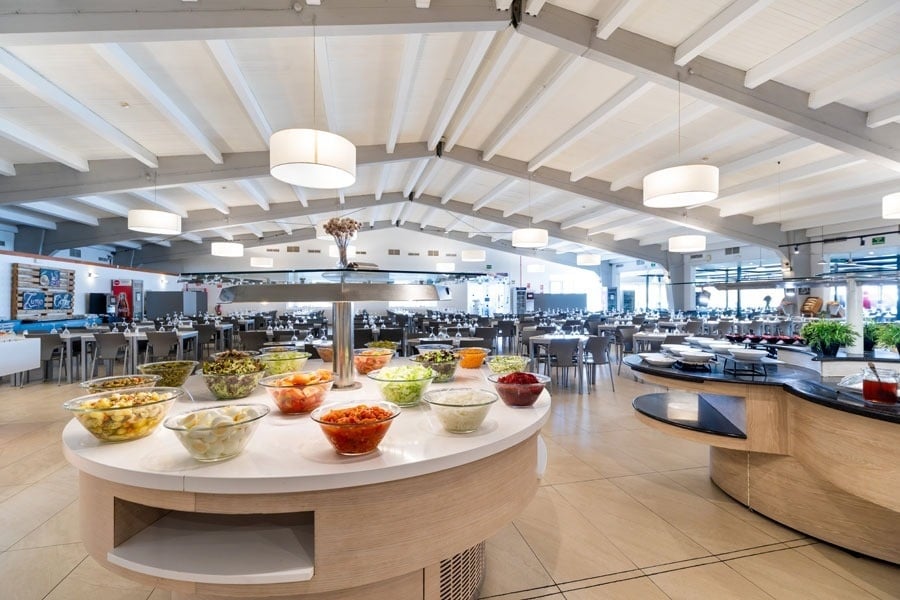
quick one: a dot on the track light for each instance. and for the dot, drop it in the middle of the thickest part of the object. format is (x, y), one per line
(796, 249)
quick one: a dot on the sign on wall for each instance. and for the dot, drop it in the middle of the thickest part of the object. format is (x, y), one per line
(33, 299)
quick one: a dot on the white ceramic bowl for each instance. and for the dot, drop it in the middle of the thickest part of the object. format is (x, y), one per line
(703, 342)
(747, 354)
(658, 360)
(697, 357)
(677, 349)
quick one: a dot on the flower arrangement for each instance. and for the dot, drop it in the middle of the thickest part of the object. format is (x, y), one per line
(343, 227)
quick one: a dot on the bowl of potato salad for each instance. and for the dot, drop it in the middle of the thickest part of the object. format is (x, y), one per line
(120, 416)
(217, 433)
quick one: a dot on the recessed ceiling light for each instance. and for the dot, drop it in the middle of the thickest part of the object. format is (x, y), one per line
(124, 104)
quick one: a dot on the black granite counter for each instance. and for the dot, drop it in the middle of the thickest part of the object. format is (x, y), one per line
(828, 394)
(773, 373)
(882, 356)
(708, 413)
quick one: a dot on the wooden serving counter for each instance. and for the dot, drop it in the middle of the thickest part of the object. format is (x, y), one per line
(793, 448)
(290, 518)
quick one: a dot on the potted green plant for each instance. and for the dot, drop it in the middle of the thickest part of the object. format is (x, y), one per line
(870, 336)
(888, 336)
(826, 336)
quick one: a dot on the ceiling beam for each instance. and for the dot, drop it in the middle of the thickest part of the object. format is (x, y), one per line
(409, 65)
(434, 166)
(458, 182)
(770, 152)
(43, 181)
(118, 207)
(843, 87)
(383, 175)
(844, 27)
(615, 16)
(883, 115)
(326, 85)
(252, 189)
(704, 218)
(153, 198)
(19, 72)
(254, 229)
(732, 16)
(208, 197)
(70, 212)
(773, 103)
(493, 66)
(415, 172)
(42, 145)
(24, 217)
(477, 49)
(221, 52)
(7, 168)
(41, 22)
(831, 218)
(128, 68)
(606, 111)
(533, 200)
(495, 192)
(222, 233)
(832, 196)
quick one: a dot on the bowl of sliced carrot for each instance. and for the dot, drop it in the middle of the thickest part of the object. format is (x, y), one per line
(369, 359)
(299, 392)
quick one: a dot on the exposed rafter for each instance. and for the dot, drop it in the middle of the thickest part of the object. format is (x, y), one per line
(415, 172)
(42, 145)
(300, 194)
(769, 153)
(381, 185)
(773, 103)
(221, 52)
(458, 182)
(209, 197)
(69, 212)
(224, 233)
(843, 87)
(154, 198)
(326, 85)
(434, 166)
(252, 189)
(883, 115)
(52, 182)
(495, 192)
(615, 16)
(732, 16)
(7, 168)
(409, 65)
(118, 207)
(24, 217)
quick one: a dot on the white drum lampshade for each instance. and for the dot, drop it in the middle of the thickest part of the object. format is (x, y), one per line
(588, 260)
(530, 237)
(312, 158)
(890, 206)
(687, 243)
(227, 249)
(264, 262)
(684, 185)
(154, 221)
(473, 256)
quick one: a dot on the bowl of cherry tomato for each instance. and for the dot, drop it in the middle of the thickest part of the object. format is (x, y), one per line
(370, 359)
(299, 392)
(519, 388)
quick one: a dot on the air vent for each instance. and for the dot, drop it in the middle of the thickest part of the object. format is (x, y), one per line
(309, 250)
(293, 249)
(695, 256)
(273, 249)
(393, 252)
(75, 252)
(433, 253)
(361, 252)
(450, 254)
(733, 250)
(412, 254)
(638, 262)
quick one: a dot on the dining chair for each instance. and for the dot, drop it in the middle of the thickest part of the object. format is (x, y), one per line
(596, 353)
(206, 337)
(624, 343)
(109, 347)
(488, 335)
(161, 345)
(52, 348)
(253, 340)
(562, 355)
(693, 327)
(362, 336)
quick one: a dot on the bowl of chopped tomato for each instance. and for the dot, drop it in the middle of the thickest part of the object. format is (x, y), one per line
(370, 359)
(519, 388)
(299, 392)
(355, 427)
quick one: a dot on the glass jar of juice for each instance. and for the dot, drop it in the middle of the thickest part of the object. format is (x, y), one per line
(880, 386)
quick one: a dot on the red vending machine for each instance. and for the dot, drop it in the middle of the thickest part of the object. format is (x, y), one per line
(123, 297)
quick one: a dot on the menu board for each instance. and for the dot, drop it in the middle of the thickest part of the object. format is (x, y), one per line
(33, 299)
(41, 293)
(63, 301)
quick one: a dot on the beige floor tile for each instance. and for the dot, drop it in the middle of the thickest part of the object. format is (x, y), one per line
(708, 581)
(61, 528)
(605, 457)
(29, 509)
(8, 491)
(565, 467)
(47, 436)
(12, 432)
(90, 581)
(33, 467)
(36, 571)
(594, 581)
(788, 575)
(752, 551)
(542, 592)
(715, 529)
(159, 594)
(633, 589)
(660, 452)
(682, 564)
(698, 481)
(566, 543)
(511, 565)
(644, 537)
(876, 577)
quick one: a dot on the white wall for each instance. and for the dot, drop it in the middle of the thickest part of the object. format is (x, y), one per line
(88, 278)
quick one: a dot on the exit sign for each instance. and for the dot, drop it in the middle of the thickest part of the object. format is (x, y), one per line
(878, 241)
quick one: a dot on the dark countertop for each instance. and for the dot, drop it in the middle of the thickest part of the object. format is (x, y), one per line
(800, 382)
(828, 394)
(879, 355)
(776, 374)
(707, 413)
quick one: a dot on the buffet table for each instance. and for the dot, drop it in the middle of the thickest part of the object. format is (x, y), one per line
(789, 446)
(290, 517)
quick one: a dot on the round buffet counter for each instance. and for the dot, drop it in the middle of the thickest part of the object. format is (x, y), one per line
(790, 446)
(291, 518)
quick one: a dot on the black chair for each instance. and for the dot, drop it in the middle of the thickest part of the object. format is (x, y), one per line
(206, 337)
(161, 345)
(253, 340)
(596, 353)
(109, 347)
(624, 343)
(506, 335)
(471, 344)
(52, 348)
(562, 354)
(489, 336)
(392, 334)
(361, 337)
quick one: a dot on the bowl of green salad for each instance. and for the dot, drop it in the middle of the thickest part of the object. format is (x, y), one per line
(508, 363)
(442, 362)
(233, 376)
(403, 385)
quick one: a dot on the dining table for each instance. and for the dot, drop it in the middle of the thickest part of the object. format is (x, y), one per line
(133, 337)
(644, 339)
(544, 340)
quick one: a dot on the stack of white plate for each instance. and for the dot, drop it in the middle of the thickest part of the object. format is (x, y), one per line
(696, 357)
(748, 354)
(655, 359)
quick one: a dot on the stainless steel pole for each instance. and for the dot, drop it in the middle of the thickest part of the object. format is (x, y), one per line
(342, 323)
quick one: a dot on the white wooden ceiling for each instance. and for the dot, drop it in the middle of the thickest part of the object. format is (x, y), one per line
(108, 105)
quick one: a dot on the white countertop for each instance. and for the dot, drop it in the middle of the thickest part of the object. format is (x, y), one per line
(290, 453)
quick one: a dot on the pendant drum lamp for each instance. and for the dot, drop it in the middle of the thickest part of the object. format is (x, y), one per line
(687, 243)
(227, 249)
(473, 256)
(154, 221)
(890, 206)
(530, 237)
(684, 185)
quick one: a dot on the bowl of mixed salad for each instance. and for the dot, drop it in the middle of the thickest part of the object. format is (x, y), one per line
(232, 375)
(403, 385)
(442, 362)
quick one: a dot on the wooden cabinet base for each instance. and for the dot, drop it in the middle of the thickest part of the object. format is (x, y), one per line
(783, 489)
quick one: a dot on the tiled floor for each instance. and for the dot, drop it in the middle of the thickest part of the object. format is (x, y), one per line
(624, 512)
